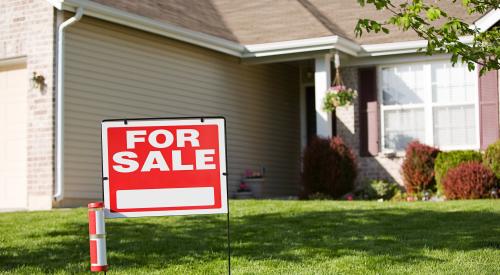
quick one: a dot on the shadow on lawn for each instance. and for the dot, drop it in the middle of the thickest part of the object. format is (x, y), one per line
(401, 234)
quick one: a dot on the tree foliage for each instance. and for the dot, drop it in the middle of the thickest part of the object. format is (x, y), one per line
(444, 33)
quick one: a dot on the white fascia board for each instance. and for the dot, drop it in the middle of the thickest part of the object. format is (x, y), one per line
(56, 3)
(150, 25)
(399, 47)
(487, 20)
(300, 46)
(392, 48)
(393, 59)
(347, 46)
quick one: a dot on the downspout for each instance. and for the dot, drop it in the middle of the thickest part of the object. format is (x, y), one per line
(59, 186)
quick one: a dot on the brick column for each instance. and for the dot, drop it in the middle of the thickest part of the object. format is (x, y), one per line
(348, 116)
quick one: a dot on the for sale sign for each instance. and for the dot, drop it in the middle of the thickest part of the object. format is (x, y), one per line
(163, 167)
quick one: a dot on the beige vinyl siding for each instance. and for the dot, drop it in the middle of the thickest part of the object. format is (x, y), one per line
(117, 72)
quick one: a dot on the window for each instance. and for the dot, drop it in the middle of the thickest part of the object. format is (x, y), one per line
(434, 103)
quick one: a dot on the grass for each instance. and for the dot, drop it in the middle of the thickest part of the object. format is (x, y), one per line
(268, 237)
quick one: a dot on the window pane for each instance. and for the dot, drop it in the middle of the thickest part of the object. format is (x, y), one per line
(454, 126)
(452, 84)
(403, 126)
(403, 84)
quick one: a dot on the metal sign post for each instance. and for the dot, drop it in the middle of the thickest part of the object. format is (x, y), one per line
(97, 236)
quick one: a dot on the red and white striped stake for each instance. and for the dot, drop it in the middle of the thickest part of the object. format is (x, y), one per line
(97, 234)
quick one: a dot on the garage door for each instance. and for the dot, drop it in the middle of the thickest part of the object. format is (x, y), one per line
(13, 137)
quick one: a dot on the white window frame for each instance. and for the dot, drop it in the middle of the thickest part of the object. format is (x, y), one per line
(428, 107)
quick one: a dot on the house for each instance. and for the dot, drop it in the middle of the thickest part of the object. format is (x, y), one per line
(65, 65)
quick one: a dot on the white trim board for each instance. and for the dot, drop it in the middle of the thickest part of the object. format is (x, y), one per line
(392, 59)
(399, 47)
(302, 45)
(488, 20)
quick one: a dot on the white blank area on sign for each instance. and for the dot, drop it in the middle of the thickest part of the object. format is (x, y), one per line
(165, 197)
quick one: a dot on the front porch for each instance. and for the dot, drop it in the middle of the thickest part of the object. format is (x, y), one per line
(357, 124)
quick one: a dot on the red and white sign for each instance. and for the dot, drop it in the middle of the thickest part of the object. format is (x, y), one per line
(163, 167)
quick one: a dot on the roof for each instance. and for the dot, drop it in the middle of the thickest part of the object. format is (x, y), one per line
(265, 21)
(260, 27)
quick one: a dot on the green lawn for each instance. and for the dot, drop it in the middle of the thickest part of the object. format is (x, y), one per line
(268, 237)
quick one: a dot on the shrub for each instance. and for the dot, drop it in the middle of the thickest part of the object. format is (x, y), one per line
(330, 168)
(383, 190)
(491, 158)
(418, 167)
(469, 180)
(377, 189)
(365, 192)
(400, 195)
(451, 159)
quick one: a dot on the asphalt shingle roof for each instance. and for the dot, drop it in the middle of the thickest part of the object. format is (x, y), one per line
(265, 21)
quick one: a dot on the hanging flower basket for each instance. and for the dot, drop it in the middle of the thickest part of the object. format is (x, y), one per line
(338, 95)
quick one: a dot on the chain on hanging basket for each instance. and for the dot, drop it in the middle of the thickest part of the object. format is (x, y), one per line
(338, 95)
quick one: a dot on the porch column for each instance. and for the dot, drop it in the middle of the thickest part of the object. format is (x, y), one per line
(322, 81)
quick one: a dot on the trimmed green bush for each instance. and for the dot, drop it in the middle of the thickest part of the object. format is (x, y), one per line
(491, 158)
(447, 160)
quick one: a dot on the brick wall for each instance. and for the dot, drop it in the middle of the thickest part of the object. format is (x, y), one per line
(348, 116)
(27, 30)
(370, 168)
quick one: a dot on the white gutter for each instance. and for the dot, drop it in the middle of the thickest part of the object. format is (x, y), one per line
(59, 187)
(399, 47)
(301, 45)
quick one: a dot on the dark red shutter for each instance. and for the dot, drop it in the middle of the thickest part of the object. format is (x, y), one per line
(368, 112)
(488, 108)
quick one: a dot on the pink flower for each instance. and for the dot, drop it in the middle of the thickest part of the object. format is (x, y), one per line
(338, 87)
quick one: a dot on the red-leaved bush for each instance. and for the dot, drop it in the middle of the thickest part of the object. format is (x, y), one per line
(469, 180)
(418, 167)
(330, 168)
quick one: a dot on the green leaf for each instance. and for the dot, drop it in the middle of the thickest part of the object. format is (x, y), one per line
(433, 13)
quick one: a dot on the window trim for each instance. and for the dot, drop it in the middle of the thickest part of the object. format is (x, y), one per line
(428, 107)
